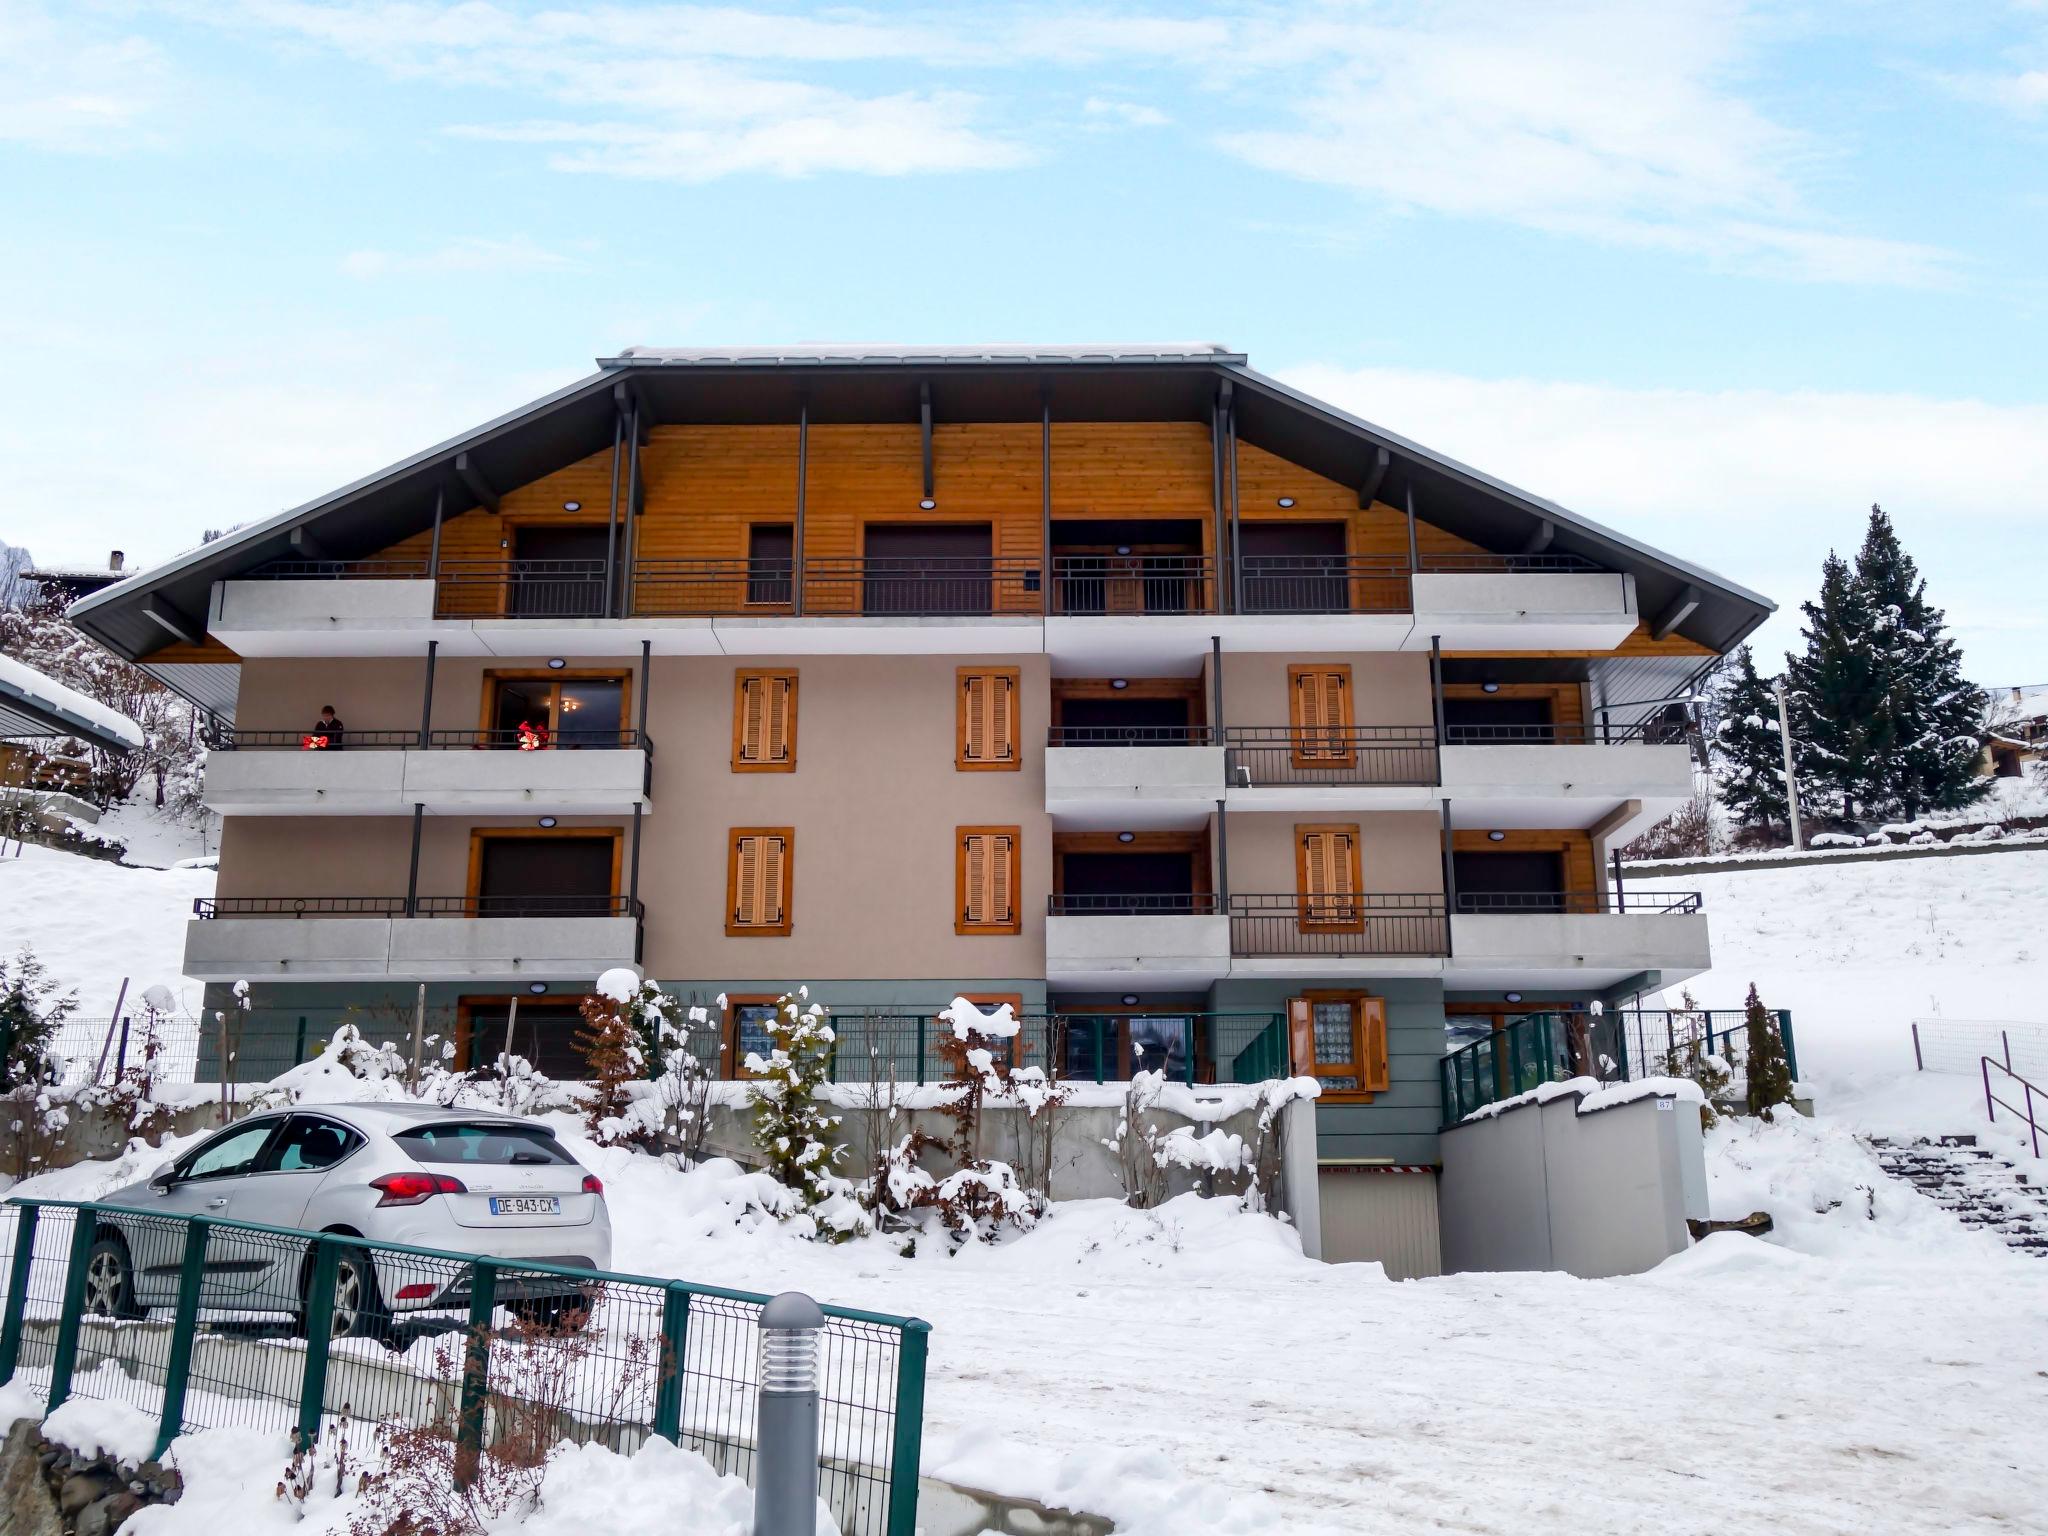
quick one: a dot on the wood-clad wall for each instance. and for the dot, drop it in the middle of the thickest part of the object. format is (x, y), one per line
(1567, 700)
(1581, 872)
(704, 486)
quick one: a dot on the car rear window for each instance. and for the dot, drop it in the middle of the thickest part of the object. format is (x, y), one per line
(482, 1144)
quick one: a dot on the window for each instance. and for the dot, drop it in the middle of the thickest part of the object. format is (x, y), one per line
(746, 1031)
(757, 880)
(1319, 711)
(1326, 878)
(491, 1143)
(987, 732)
(554, 709)
(763, 721)
(771, 562)
(230, 1153)
(556, 872)
(309, 1144)
(985, 876)
(1340, 1039)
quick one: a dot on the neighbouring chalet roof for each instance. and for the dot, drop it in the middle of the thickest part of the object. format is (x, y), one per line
(735, 385)
(34, 705)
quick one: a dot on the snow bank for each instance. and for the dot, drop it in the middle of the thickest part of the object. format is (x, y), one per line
(103, 1427)
(92, 922)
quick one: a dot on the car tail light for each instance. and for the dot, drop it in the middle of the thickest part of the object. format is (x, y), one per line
(413, 1188)
(592, 1184)
(414, 1292)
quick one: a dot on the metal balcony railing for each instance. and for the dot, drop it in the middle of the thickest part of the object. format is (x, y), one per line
(1132, 584)
(520, 589)
(936, 587)
(1482, 560)
(339, 570)
(1624, 901)
(1597, 733)
(1338, 926)
(1263, 756)
(230, 739)
(550, 904)
(1133, 904)
(1129, 736)
(663, 588)
(1323, 584)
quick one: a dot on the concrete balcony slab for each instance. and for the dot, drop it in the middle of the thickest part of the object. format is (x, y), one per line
(324, 948)
(1541, 785)
(1523, 610)
(377, 782)
(1119, 950)
(1100, 787)
(1591, 950)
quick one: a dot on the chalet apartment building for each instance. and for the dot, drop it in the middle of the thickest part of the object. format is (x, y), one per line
(1128, 684)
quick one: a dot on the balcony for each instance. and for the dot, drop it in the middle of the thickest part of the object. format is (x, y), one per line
(387, 773)
(1113, 940)
(428, 938)
(1564, 775)
(1521, 603)
(1578, 940)
(1368, 934)
(1104, 776)
(1365, 768)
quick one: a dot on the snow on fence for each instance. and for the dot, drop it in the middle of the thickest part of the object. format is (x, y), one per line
(1960, 1045)
(274, 1328)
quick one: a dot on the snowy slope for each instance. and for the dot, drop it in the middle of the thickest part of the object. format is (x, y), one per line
(92, 923)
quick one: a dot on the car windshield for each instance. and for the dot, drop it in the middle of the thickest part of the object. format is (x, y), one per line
(482, 1144)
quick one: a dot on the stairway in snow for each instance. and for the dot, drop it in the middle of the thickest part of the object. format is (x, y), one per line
(1982, 1188)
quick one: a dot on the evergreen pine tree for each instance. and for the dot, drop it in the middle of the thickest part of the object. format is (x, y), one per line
(795, 1130)
(30, 1012)
(1828, 690)
(1922, 718)
(1747, 751)
(1764, 1068)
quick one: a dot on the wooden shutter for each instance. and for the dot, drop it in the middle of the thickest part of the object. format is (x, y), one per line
(987, 732)
(764, 722)
(1326, 874)
(1372, 1019)
(1301, 1037)
(1319, 706)
(985, 880)
(758, 881)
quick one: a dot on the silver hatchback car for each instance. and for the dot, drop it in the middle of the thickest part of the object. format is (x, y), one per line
(419, 1175)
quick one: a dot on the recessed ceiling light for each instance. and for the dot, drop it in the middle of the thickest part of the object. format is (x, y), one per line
(536, 987)
(927, 503)
(1496, 837)
(547, 821)
(1286, 501)
(1127, 837)
(1119, 682)
(1514, 997)
(1489, 687)
(1130, 999)
(555, 663)
(572, 506)
(1123, 549)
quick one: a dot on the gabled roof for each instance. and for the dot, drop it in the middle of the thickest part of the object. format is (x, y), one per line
(34, 705)
(727, 385)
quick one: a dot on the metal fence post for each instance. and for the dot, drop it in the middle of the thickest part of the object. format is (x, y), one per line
(319, 1328)
(1918, 1064)
(64, 1358)
(786, 1418)
(1188, 1048)
(1791, 1052)
(675, 1343)
(184, 1323)
(920, 1049)
(17, 1289)
(909, 1440)
(476, 1371)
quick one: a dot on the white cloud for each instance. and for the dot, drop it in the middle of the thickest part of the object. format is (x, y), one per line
(1131, 114)
(467, 255)
(71, 85)
(1760, 484)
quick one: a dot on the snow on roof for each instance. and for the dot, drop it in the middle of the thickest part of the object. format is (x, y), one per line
(986, 352)
(66, 706)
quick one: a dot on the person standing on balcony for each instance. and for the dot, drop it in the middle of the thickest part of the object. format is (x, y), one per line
(327, 730)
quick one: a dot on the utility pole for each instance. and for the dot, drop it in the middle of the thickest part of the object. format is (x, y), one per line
(1791, 782)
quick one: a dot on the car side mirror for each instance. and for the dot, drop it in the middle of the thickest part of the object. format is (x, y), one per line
(162, 1180)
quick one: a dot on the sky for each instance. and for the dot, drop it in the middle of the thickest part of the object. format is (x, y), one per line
(1719, 275)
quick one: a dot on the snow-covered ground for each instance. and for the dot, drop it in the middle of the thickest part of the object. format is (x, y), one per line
(92, 922)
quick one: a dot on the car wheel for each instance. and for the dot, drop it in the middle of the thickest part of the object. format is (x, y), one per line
(110, 1279)
(359, 1309)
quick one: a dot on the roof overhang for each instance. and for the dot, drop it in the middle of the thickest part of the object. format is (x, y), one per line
(722, 386)
(32, 705)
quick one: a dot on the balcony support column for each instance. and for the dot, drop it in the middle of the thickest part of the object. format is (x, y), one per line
(633, 867)
(1236, 523)
(1045, 500)
(1450, 879)
(611, 516)
(427, 698)
(1216, 689)
(434, 547)
(1221, 530)
(1436, 694)
(412, 877)
(796, 532)
(646, 660)
(1414, 553)
(1222, 859)
(636, 494)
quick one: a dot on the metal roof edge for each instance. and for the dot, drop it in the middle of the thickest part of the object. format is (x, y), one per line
(856, 359)
(146, 580)
(1540, 505)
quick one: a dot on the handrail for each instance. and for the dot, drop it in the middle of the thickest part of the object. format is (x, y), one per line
(2034, 1127)
(233, 739)
(1624, 900)
(207, 908)
(1129, 736)
(1129, 904)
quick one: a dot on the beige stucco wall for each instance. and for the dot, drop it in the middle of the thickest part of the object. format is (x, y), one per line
(1398, 851)
(874, 803)
(1387, 688)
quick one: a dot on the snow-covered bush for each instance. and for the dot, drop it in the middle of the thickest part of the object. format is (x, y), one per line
(1764, 1069)
(794, 1128)
(614, 1059)
(31, 1009)
(684, 1084)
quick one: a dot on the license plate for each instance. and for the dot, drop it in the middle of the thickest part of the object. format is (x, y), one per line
(526, 1205)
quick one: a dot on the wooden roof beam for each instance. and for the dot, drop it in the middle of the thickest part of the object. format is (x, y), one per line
(467, 472)
(1677, 613)
(1539, 541)
(1381, 459)
(172, 619)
